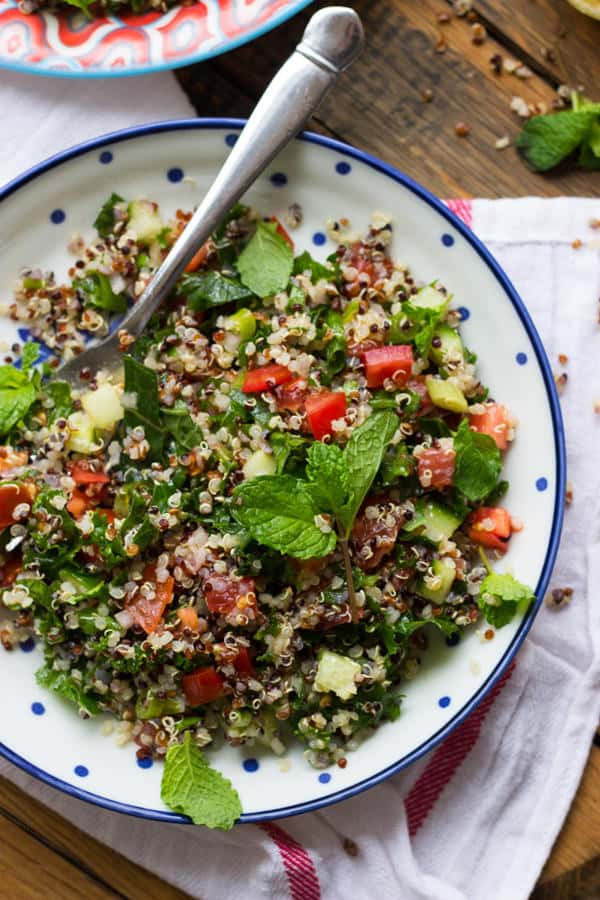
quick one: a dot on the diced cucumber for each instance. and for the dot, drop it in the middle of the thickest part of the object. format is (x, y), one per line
(446, 395)
(260, 463)
(429, 298)
(155, 708)
(103, 406)
(242, 323)
(336, 673)
(451, 347)
(433, 521)
(445, 570)
(144, 220)
(81, 434)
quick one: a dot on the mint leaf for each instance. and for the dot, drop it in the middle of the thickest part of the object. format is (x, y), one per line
(478, 463)
(17, 395)
(64, 684)
(306, 265)
(500, 596)
(204, 290)
(279, 511)
(193, 788)
(265, 264)
(182, 427)
(60, 394)
(546, 140)
(29, 355)
(327, 473)
(97, 292)
(105, 220)
(363, 456)
(143, 382)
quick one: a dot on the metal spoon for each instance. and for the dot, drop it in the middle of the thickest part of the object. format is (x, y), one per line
(331, 42)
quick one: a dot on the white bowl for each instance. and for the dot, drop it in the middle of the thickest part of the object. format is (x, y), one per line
(39, 213)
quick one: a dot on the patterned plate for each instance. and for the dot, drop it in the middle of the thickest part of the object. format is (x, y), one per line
(70, 45)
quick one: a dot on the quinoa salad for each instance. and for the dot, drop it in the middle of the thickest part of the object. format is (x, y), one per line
(251, 532)
(101, 8)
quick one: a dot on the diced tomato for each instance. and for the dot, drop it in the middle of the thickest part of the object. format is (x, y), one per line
(188, 617)
(199, 258)
(79, 503)
(202, 686)
(243, 663)
(436, 467)
(11, 496)
(81, 474)
(494, 422)
(490, 526)
(225, 594)
(147, 612)
(10, 459)
(323, 409)
(108, 514)
(291, 396)
(418, 386)
(393, 361)
(11, 568)
(265, 378)
(281, 230)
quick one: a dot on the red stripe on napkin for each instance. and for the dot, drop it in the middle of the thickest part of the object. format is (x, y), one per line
(301, 873)
(463, 209)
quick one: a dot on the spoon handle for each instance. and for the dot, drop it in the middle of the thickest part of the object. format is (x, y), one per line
(332, 40)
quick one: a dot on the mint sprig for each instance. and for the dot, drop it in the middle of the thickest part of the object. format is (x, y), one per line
(193, 788)
(500, 596)
(547, 140)
(478, 463)
(266, 262)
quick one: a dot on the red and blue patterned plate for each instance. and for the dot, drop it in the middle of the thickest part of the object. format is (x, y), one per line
(70, 45)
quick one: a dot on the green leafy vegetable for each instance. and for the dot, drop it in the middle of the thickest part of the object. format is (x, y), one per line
(204, 290)
(279, 511)
(193, 788)
(305, 264)
(98, 293)
(500, 596)
(29, 355)
(266, 262)
(478, 463)
(17, 395)
(105, 220)
(547, 140)
(143, 382)
(363, 456)
(182, 427)
(327, 473)
(60, 394)
(335, 351)
(64, 684)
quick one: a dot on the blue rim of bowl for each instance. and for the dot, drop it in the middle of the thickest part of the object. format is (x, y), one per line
(559, 446)
(245, 38)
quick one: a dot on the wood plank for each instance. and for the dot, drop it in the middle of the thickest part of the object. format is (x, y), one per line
(537, 26)
(69, 852)
(379, 106)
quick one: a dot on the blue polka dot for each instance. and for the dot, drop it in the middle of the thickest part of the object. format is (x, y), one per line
(541, 484)
(28, 645)
(319, 238)
(464, 313)
(343, 168)
(447, 240)
(250, 765)
(57, 216)
(521, 358)
(106, 157)
(279, 179)
(453, 639)
(38, 709)
(175, 174)
(444, 702)
(81, 771)
(231, 139)
(145, 762)
(324, 777)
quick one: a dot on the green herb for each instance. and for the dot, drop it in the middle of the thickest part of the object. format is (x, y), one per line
(335, 337)
(279, 511)
(397, 463)
(105, 220)
(29, 355)
(60, 394)
(500, 596)
(182, 427)
(143, 383)
(547, 140)
(477, 464)
(364, 453)
(64, 684)
(193, 788)
(17, 395)
(328, 475)
(287, 448)
(85, 585)
(205, 290)
(306, 265)
(98, 293)
(266, 262)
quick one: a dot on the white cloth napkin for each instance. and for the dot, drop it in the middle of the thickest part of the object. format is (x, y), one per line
(478, 817)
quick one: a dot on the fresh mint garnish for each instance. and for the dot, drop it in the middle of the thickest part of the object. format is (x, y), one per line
(478, 463)
(547, 140)
(500, 596)
(105, 220)
(204, 290)
(17, 395)
(266, 262)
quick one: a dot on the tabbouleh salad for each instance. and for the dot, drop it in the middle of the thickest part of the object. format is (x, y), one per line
(249, 534)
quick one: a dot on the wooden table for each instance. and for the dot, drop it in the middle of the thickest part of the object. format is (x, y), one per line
(401, 101)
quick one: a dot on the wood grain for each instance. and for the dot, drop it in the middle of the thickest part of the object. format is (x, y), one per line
(378, 105)
(45, 852)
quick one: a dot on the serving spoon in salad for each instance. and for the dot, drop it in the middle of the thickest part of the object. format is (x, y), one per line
(331, 42)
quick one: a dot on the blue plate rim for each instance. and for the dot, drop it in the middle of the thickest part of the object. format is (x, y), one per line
(246, 38)
(559, 446)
